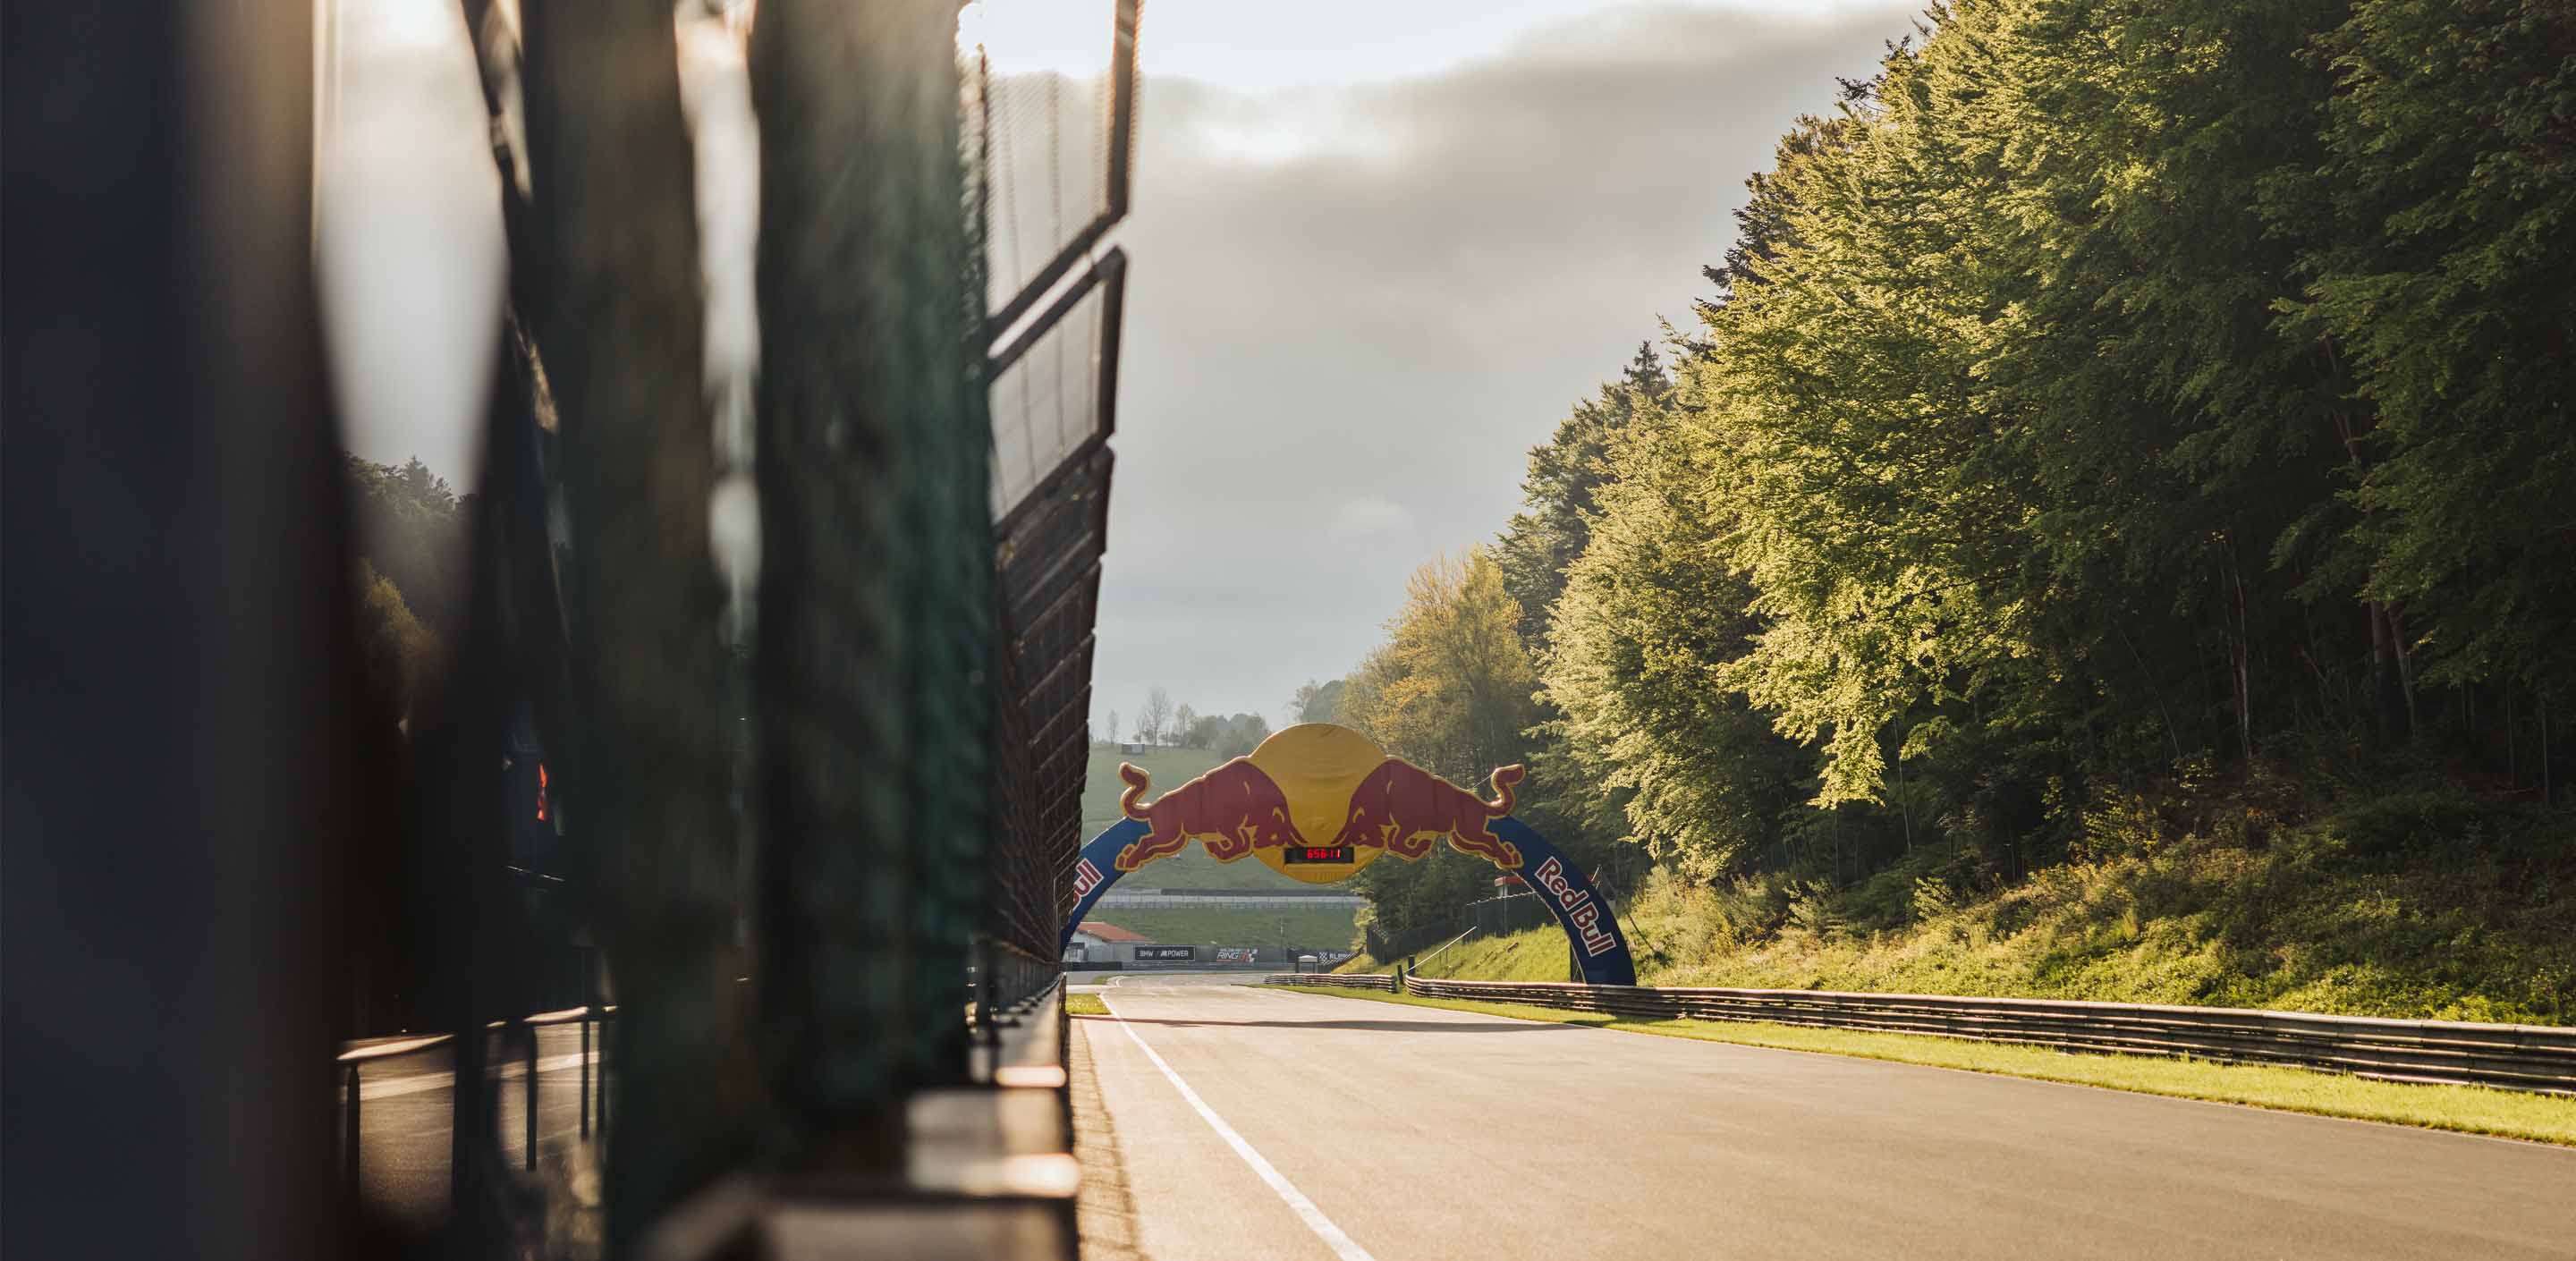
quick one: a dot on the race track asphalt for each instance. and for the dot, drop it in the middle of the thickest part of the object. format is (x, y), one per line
(1394, 1132)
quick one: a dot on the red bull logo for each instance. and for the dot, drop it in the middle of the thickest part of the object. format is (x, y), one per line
(1406, 810)
(1311, 781)
(1582, 914)
(1317, 780)
(1232, 810)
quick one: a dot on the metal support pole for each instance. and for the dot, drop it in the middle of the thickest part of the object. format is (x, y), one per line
(531, 1107)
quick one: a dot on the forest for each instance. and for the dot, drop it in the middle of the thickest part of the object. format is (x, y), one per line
(2124, 437)
(411, 583)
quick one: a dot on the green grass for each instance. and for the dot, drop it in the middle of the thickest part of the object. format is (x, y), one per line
(2408, 906)
(1536, 955)
(1191, 868)
(1085, 1005)
(1309, 927)
(2470, 1109)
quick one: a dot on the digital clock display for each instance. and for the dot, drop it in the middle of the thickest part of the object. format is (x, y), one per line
(1318, 853)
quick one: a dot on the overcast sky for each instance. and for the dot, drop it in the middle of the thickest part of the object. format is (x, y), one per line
(1363, 284)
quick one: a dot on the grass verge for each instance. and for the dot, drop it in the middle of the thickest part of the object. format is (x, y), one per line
(2410, 902)
(2469, 1109)
(1085, 1005)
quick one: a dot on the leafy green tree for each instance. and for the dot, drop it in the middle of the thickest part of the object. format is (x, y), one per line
(1634, 665)
(1317, 701)
(1558, 494)
(2441, 285)
(1864, 496)
(1238, 734)
(2102, 389)
(1450, 690)
(411, 526)
(2103, 393)
(403, 657)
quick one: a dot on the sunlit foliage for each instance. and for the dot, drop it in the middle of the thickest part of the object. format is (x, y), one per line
(2107, 397)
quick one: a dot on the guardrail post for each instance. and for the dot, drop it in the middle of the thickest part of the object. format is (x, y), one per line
(601, 1111)
(585, 1071)
(349, 1130)
(531, 1108)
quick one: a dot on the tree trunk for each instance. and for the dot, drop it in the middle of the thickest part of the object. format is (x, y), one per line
(2404, 655)
(2243, 653)
(2512, 748)
(2387, 686)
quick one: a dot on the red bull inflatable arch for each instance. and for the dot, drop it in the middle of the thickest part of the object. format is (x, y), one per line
(1318, 802)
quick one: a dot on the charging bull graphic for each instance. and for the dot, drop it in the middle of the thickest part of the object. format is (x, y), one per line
(1316, 780)
(1233, 810)
(1405, 810)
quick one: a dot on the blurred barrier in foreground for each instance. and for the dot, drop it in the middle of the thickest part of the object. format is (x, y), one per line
(2511, 1057)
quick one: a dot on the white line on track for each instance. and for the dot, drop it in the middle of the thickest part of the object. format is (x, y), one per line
(1343, 1245)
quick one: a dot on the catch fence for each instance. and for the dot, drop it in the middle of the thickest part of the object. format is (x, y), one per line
(2510, 1057)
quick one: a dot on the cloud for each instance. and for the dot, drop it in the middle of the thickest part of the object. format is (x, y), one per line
(1352, 310)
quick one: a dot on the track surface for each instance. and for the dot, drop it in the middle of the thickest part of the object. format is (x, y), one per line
(406, 1110)
(1413, 1132)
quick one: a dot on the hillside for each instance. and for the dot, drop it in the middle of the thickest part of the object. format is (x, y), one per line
(2420, 904)
(1304, 927)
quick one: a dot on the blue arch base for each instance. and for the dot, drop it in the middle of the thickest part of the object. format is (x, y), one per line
(1096, 870)
(1600, 949)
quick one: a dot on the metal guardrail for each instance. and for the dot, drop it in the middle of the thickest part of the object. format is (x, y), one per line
(594, 1097)
(1334, 980)
(2512, 1057)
